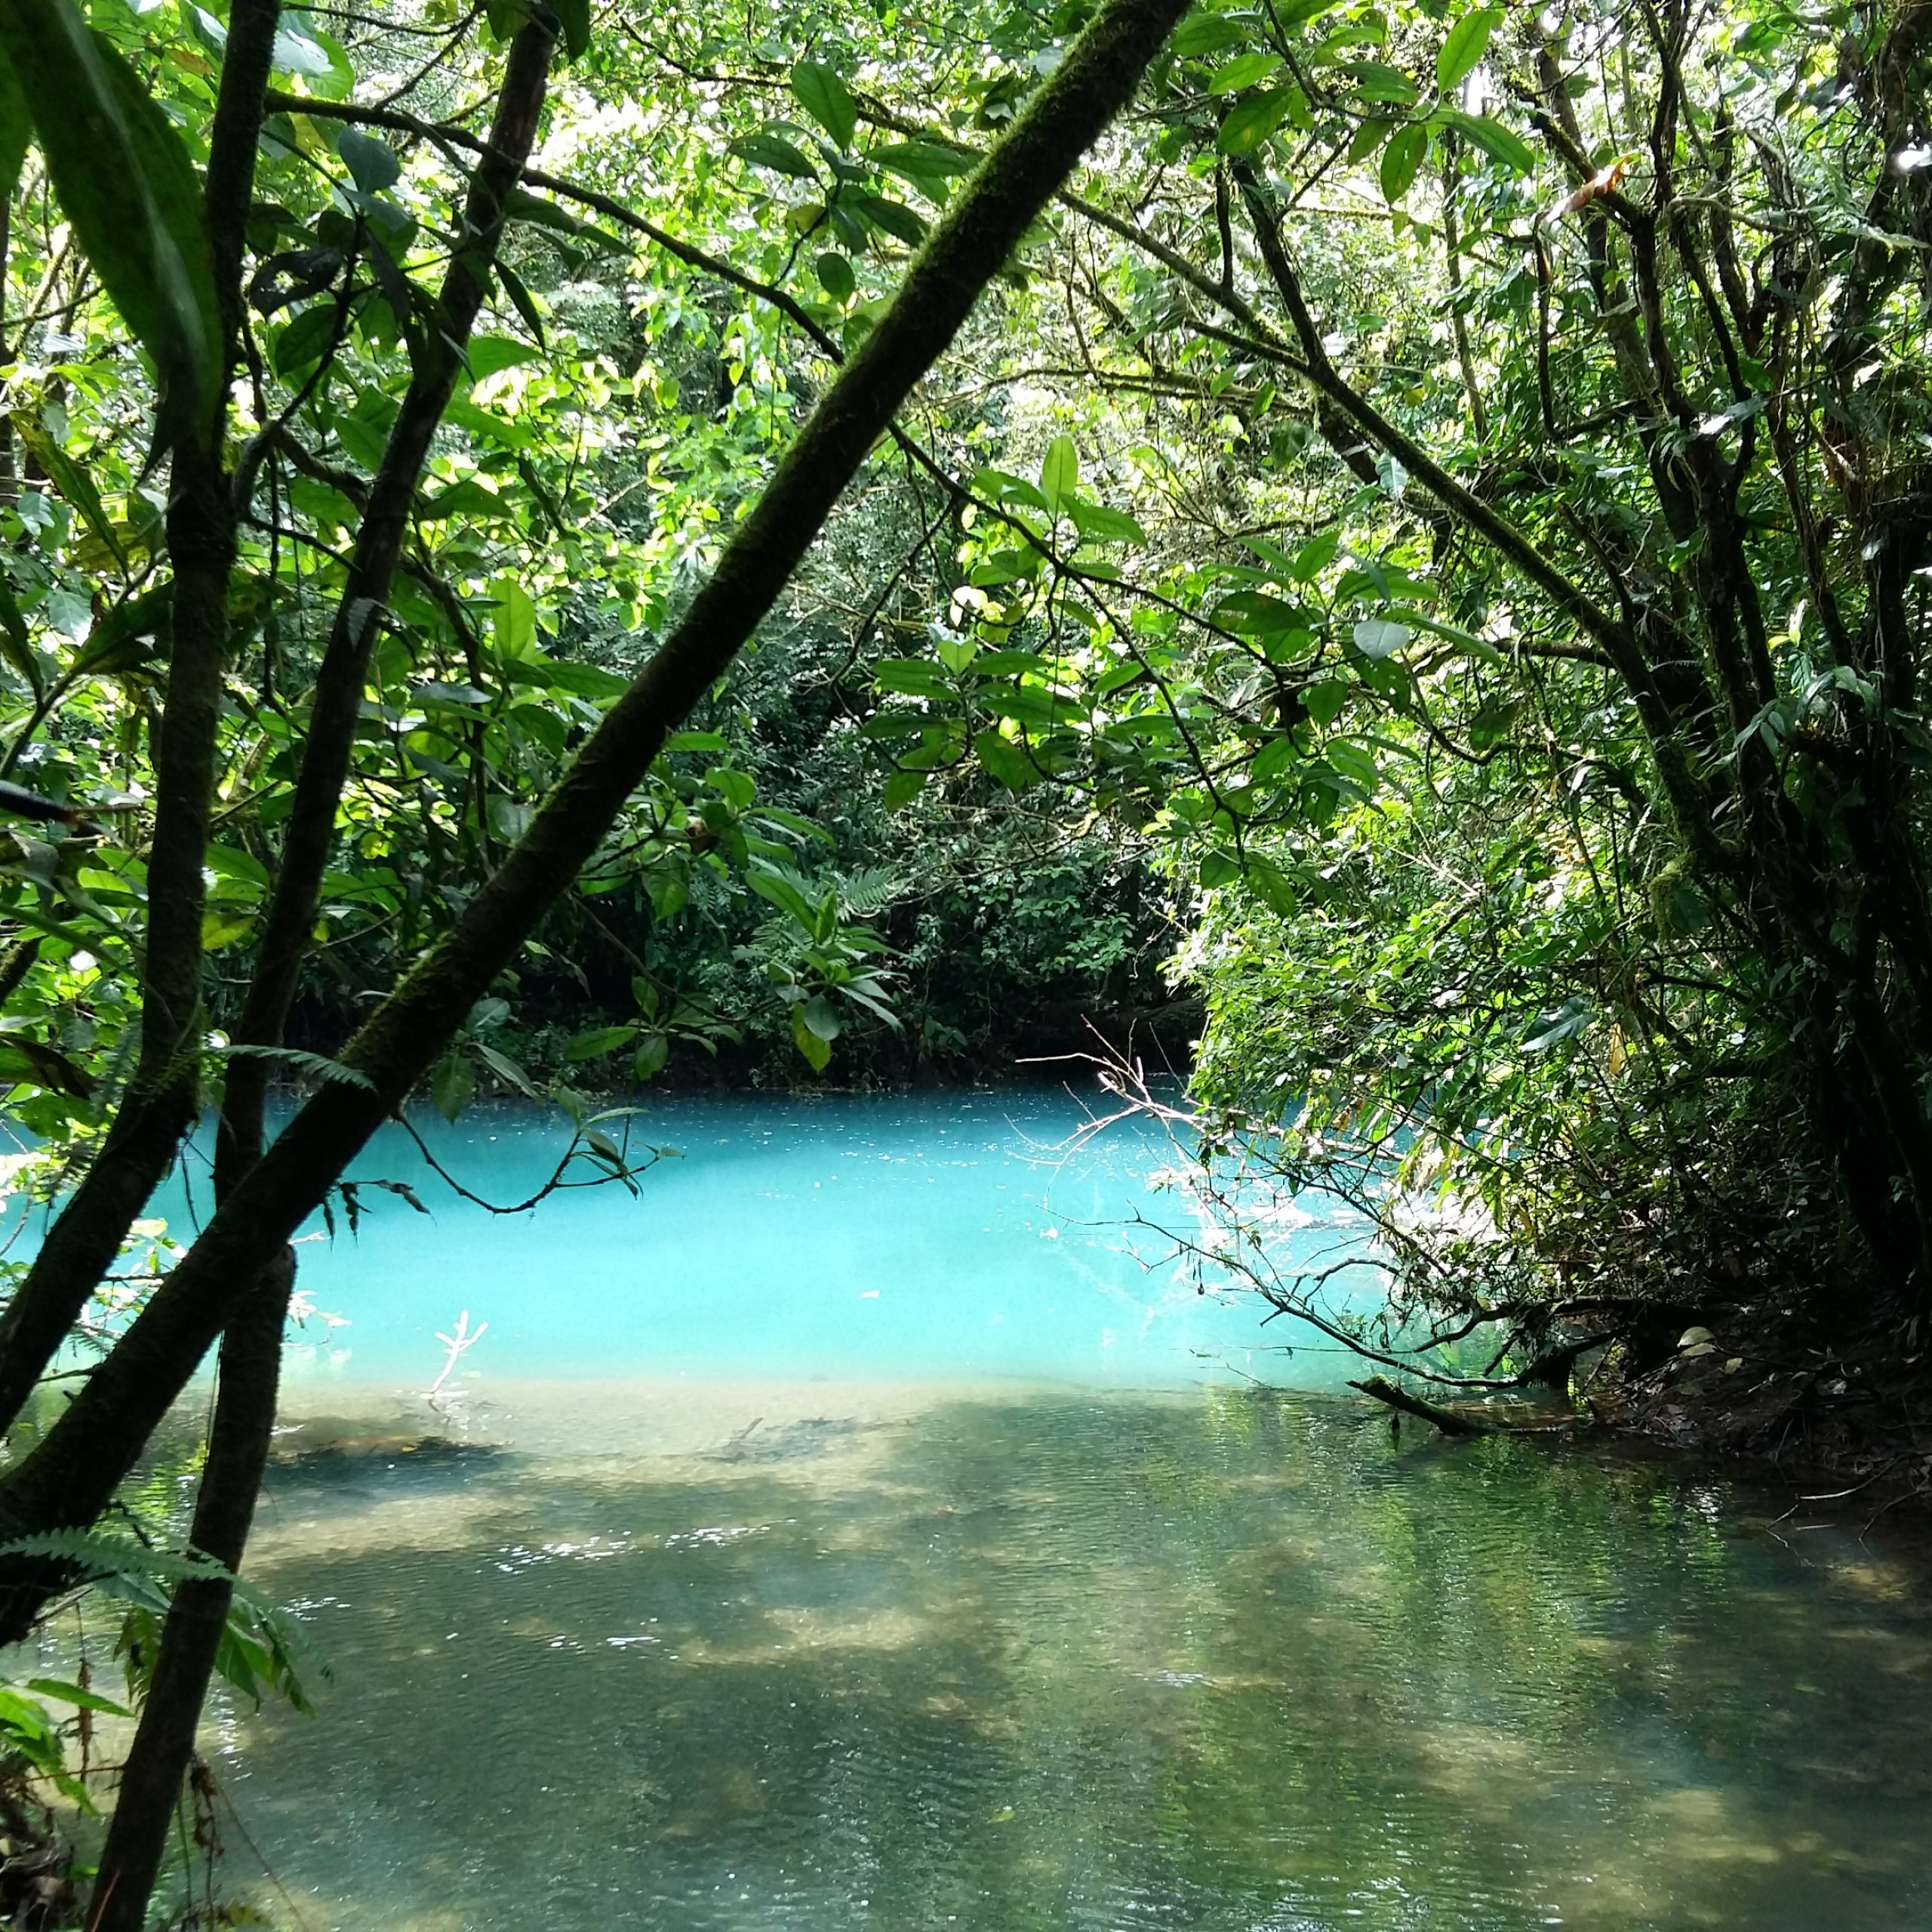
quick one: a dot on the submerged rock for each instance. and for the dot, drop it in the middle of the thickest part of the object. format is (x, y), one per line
(359, 1453)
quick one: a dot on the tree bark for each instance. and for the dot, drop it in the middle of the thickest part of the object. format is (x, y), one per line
(67, 1480)
(159, 1105)
(329, 743)
(238, 1439)
(251, 1362)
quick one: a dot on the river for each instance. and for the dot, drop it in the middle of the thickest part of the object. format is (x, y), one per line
(860, 1528)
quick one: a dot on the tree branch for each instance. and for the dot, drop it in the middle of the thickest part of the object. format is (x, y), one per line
(67, 1479)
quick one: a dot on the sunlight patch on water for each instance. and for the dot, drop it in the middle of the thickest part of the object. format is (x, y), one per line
(907, 1656)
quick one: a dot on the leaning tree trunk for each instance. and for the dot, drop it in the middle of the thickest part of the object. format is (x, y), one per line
(69, 1477)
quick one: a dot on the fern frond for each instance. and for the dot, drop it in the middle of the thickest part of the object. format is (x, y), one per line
(125, 1568)
(318, 1064)
(869, 890)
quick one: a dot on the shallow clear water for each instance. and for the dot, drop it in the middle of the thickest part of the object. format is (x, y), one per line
(999, 1601)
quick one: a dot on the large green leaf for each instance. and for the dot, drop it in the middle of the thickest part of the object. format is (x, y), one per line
(826, 99)
(573, 17)
(72, 481)
(1208, 33)
(1060, 472)
(1400, 160)
(129, 193)
(1256, 119)
(1006, 761)
(1499, 142)
(1467, 43)
(15, 129)
(765, 149)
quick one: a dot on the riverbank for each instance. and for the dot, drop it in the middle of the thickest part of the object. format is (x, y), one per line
(1777, 1389)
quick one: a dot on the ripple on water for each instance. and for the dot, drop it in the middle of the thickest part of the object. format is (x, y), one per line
(1003, 1660)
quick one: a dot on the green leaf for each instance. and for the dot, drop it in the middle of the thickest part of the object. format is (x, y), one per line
(131, 635)
(590, 681)
(488, 354)
(817, 1014)
(14, 643)
(835, 276)
(1272, 759)
(1316, 555)
(507, 1070)
(306, 338)
(1249, 612)
(817, 1050)
(1467, 43)
(895, 217)
(1369, 136)
(1497, 141)
(1324, 701)
(1376, 80)
(1250, 123)
(16, 130)
(785, 890)
(130, 195)
(1099, 524)
(901, 788)
(541, 212)
(925, 164)
(1565, 1023)
(73, 482)
(372, 164)
(1402, 160)
(653, 1051)
(81, 1698)
(521, 300)
(1006, 761)
(826, 99)
(773, 151)
(598, 1041)
(1209, 33)
(452, 1085)
(224, 926)
(1060, 472)
(910, 677)
(1244, 70)
(514, 621)
(573, 17)
(1378, 637)
(955, 652)
(297, 51)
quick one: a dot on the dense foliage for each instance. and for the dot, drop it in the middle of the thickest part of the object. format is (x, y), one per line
(1428, 536)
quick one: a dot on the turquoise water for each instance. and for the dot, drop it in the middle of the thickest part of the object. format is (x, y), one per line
(850, 1533)
(959, 1236)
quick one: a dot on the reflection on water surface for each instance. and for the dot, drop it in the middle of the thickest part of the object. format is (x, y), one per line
(834, 1656)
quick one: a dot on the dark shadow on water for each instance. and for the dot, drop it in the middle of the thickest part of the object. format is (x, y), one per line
(1228, 1662)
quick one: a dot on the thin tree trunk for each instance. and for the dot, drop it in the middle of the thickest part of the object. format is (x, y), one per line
(67, 1480)
(329, 740)
(251, 1362)
(1458, 321)
(151, 1779)
(159, 1104)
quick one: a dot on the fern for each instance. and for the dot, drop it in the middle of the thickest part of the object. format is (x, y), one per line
(134, 1571)
(260, 1649)
(318, 1064)
(870, 891)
